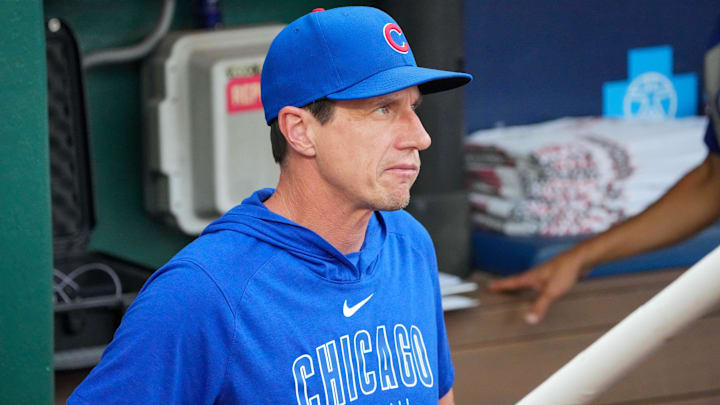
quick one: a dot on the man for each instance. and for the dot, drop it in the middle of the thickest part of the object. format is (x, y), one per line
(688, 207)
(319, 292)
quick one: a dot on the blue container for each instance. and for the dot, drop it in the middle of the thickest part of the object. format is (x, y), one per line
(507, 255)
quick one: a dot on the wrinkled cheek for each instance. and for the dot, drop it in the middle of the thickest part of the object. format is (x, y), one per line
(355, 174)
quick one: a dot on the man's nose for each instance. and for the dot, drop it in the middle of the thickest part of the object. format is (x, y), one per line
(415, 135)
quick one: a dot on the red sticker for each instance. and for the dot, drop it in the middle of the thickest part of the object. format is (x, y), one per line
(243, 94)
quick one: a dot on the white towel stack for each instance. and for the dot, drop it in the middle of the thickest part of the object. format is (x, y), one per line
(576, 175)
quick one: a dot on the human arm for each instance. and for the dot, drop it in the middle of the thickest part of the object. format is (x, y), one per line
(689, 206)
(447, 399)
(159, 353)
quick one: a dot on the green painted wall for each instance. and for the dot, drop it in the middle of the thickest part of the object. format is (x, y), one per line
(114, 107)
(123, 229)
(25, 223)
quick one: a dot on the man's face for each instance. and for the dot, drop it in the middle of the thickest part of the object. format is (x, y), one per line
(368, 152)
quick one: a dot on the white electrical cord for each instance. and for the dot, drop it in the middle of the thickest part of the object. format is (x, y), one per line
(137, 51)
(59, 288)
(69, 279)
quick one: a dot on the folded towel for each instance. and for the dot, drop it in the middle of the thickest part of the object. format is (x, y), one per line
(576, 175)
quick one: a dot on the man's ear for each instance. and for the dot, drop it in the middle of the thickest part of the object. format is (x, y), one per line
(295, 125)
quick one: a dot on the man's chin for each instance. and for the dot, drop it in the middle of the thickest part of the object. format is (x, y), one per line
(393, 202)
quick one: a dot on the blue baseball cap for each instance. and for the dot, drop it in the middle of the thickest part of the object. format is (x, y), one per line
(343, 54)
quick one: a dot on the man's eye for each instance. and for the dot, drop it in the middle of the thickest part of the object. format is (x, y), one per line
(383, 110)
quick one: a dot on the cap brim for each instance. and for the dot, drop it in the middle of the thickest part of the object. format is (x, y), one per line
(402, 77)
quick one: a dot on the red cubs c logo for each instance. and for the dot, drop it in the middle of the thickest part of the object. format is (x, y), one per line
(388, 29)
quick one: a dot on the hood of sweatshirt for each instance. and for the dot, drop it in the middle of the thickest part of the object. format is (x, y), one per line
(253, 219)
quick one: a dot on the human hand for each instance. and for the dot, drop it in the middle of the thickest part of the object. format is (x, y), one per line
(551, 280)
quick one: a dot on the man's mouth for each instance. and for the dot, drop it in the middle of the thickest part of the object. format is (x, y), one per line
(404, 169)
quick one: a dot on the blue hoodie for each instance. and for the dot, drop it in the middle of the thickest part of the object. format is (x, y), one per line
(259, 309)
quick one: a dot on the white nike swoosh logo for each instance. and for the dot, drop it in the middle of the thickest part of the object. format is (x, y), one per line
(350, 311)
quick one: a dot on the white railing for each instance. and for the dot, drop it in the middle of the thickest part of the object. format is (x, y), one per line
(615, 353)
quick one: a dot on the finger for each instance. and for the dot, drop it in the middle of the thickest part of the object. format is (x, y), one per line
(512, 283)
(539, 309)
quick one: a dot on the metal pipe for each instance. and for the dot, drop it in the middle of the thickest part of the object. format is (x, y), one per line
(136, 51)
(615, 353)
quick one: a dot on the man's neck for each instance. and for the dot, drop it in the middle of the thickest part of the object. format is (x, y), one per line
(327, 214)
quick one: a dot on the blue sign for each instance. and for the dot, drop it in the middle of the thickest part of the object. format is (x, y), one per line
(651, 91)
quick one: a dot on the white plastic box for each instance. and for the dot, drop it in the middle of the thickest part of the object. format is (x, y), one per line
(207, 145)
